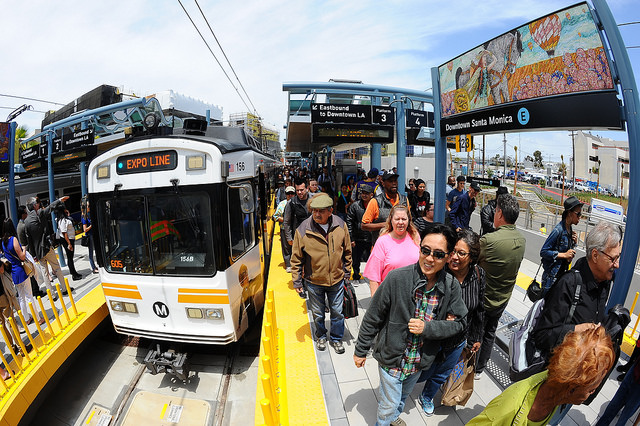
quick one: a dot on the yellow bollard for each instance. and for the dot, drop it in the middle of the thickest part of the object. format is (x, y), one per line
(635, 299)
(26, 330)
(266, 365)
(271, 395)
(33, 314)
(271, 318)
(267, 412)
(268, 351)
(282, 382)
(46, 318)
(14, 327)
(64, 307)
(73, 302)
(53, 307)
(11, 351)
(268, 331)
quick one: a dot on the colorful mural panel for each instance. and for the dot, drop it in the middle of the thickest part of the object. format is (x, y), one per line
(561, 53)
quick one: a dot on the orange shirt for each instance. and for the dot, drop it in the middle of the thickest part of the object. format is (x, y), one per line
(373, 211)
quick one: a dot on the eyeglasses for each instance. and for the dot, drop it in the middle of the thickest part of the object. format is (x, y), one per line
(438, 254)
(578, 214)
(613, 260)
(461, 254)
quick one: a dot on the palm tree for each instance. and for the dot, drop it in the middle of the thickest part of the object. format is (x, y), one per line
(562, 169)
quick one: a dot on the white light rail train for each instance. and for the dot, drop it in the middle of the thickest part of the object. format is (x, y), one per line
(180, 233)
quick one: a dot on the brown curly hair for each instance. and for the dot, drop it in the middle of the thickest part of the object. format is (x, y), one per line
(581, 358)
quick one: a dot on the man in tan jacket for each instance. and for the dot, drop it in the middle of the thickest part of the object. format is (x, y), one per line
(321, 261)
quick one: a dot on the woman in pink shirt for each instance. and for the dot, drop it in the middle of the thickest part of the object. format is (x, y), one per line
(396, 247)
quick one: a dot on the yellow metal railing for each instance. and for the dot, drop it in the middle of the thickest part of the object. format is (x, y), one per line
(274, 404)
(41, 341)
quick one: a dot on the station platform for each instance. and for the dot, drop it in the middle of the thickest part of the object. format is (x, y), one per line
(54, 345)
(322, 387)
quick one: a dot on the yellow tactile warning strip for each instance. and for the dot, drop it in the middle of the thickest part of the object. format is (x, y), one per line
(304, 390)
(92, 309)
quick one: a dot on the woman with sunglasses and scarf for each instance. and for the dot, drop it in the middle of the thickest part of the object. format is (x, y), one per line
(558, 252)
(471, 277)
(415, 308)
(397, 246)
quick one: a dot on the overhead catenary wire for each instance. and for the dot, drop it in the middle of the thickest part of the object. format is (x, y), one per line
(225, 56)
(213, 54)
(30, 99)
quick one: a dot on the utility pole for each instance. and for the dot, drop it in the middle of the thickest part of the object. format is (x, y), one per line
(515, 177)
(563, 173)
(573, 159)
(504, 157)
(483, 148)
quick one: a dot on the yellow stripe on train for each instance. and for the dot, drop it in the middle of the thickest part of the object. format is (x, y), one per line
(202, 291)
(201, 298)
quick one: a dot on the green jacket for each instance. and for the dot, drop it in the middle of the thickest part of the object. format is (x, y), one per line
(393, 305)
(512, 406)
(501, 253)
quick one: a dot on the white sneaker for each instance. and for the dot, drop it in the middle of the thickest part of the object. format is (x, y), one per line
(288, 269)
(478, 376)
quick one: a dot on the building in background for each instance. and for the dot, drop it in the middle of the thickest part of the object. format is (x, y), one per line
(613, 157)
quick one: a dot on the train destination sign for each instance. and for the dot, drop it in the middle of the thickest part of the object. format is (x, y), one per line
(147, 162)
(557, 57)
(337, 133)
(340, 113)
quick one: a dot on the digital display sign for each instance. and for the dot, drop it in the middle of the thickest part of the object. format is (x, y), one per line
(341, 133)
(147, 162)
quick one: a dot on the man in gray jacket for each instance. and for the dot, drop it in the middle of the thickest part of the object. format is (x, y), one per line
(414, 308)
(36, 226)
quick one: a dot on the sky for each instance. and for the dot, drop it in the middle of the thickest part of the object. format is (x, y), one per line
(57, 51)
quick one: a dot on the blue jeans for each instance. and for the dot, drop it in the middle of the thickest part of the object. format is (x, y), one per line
(438, 373)
(334, 295)
(628, 396)
(90, 248)
(393, 394)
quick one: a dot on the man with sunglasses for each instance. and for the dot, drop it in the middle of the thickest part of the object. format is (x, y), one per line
(501, 253)
(414, 308)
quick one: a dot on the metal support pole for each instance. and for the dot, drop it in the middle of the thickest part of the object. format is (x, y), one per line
(631, 102)
(52, 192)
(13, 209)
(401, 139)
(83, 178)
(441, 150)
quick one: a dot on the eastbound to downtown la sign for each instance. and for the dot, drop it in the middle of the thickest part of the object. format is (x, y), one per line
(548, 74)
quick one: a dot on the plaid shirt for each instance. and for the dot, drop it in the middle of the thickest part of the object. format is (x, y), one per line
(426, 304)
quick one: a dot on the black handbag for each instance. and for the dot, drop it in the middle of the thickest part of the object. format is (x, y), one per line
(84, 241)
(350, 301)
(534, 291)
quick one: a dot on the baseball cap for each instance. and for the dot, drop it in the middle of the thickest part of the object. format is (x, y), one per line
(475, 186)
(387, 176)
(366, 188)
(290, 189)
(373, 173)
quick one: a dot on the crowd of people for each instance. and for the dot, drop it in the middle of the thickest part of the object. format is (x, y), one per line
(438, 289)
(29, 261)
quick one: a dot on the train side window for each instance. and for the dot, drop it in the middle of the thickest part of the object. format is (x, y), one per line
(241, 219)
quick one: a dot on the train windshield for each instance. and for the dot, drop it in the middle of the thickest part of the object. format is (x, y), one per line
(158, 234)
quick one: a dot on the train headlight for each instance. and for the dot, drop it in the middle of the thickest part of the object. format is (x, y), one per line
(196, 162)
(130, 307)
(194, 313)
(117, 306)
(214, 313)
(103, 172)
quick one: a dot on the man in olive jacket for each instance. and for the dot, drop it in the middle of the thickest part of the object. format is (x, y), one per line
(413, 310)
(321, 257)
